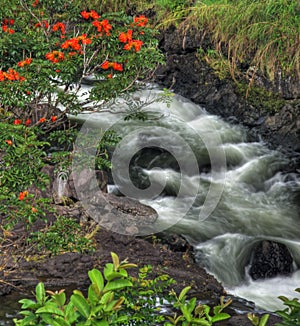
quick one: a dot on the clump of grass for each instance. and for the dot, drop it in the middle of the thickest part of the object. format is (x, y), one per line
(264, 33)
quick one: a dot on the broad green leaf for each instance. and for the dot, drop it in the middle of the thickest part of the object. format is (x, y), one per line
(70, 314)
(93, 294)
(113, 275)
(96, 278)
(116, 285)
(201, 322)
(40, 293)
(60, 298)
(264, 319)
(220, 316)
(81, 305)
(27, 303)
(50, 308)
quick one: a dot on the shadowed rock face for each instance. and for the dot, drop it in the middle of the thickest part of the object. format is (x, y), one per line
(269, 260)
(194, 79)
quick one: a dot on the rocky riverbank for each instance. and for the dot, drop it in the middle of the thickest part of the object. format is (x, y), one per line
(23, 266)
(270, 112)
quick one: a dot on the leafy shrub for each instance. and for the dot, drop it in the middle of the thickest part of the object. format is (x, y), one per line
(291, 314)
(115, 298)
(64, 235)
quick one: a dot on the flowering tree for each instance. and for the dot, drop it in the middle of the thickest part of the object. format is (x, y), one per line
(49, 48)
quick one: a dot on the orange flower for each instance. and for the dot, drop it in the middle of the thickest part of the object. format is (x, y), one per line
(27, 122)
(92, 14)
(43, 23)
(140, 20)
(105, 65)
(102, 26)
(23, 194)
(7, 30)
(55, 56)
(17, 122)
(72, 43)
(137, 44)
(8, 142)
(59, 26)
(25, 62)
(42, 120)
(117, 66)
(84, 39)
(36, 2)
(33, 209)
(125, 37)
(54, 118)
(85, 14)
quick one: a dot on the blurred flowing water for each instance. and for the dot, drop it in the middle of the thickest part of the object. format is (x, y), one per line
(236, 196)
(210, 183)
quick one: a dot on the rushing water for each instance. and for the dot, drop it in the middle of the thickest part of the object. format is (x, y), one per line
(210, 183)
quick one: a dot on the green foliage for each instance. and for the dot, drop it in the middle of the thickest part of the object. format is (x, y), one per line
(64, 235)
(64, 48)
(99, 307)
(22, 158)
(115, 298)
(265, 34)
(291, 314)
(193, 314)
(256, 321)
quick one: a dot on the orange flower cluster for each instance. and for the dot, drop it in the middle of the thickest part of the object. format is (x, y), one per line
(23, 195)
(28, 121)
(140, 21)
(25, 62)
(90, 14)
(5, 26)
(74, 43)
(9, 142)
(11, 75)
(115, 65)
(59, 26)
(102, 26)
(130, 43)
(55, 56)
(43, 23)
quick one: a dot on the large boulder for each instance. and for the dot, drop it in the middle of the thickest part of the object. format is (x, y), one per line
(270, 259)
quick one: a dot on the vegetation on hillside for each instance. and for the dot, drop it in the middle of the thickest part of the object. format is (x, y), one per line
(47, 49)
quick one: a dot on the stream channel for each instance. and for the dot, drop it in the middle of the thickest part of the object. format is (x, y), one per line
(211, 183)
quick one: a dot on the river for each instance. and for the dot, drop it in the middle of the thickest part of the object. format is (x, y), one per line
(210, 182)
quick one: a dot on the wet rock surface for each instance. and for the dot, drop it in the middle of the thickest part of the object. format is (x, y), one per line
(269, 260)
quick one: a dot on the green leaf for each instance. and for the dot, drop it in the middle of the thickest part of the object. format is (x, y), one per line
(183, 293)
(29, 304)
(220, 316)
(81, 305)
(50, 308)
(60, 298)
(116, 285)
(264, 319)
(191, 305)
(97, 279)
(40, 293)
(116, 261)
